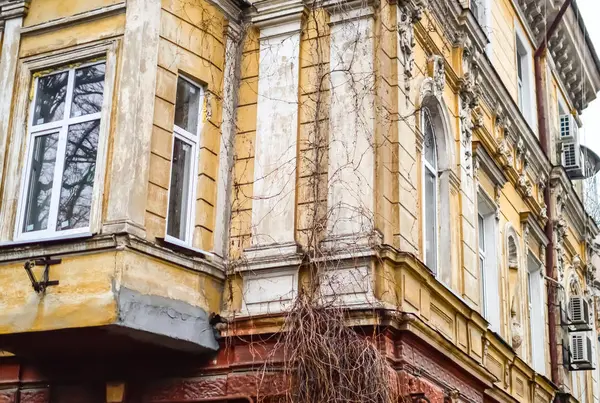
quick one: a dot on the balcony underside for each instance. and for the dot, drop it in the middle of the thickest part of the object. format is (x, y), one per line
(105, 301)
(143, 324)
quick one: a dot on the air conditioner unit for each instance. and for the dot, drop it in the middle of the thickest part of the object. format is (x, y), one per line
(565, 315)
(572, 159)
(571, 155)
(582, 354)
(579, 313)
(568, 127)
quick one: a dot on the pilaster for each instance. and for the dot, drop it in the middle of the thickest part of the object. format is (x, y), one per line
(274, 195)
(228, 129)
(126, 204)
(12, 14)
(351, 180)
(468, 102)
(410, 140)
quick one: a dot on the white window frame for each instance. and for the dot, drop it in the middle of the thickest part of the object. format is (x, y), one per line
(61, 127)
(490, 291)
(481, 245)
(427, 167)
(193, 141)
(19, 144)
(524, 52)
(537, 312)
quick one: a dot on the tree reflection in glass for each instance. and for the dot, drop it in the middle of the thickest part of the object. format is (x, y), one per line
(180, 186)
(40, 182)
(78, 176)
(88, 90)
(64, 144)
(187, 106)
(50, 98)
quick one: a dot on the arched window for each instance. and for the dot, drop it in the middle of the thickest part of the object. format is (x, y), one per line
(437, 181)
(430, 191)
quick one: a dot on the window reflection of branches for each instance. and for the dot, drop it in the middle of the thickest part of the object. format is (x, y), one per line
(40, 182)
(62, 164)
(89, 87)
(50, 98)
(78, 176)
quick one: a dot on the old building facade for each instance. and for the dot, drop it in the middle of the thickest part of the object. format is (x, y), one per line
(175, 173)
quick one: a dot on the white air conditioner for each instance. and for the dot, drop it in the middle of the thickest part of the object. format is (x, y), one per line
(582, 354)
(570, 149)
(579, 314)
(568, 127)
(571, 155)
(565, 314)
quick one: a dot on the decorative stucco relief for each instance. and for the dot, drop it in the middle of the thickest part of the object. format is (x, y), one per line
(410, 13)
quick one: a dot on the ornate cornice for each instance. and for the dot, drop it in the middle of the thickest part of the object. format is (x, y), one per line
(488, 164)
(232, 9)
(569, 47)
(534, 227)
(13, 8)
(280, 15)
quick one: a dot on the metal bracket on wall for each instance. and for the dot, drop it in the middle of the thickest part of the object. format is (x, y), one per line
(40, 286)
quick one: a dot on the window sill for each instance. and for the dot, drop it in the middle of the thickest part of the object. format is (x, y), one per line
(46, 240)
(178, 246)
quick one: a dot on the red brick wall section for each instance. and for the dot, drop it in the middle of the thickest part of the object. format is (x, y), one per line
(238, 369)
(408, 384)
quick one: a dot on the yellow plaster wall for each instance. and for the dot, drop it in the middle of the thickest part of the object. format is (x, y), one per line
(41, 11)
(84, 297)
(503, 44)
(313, 110)
(386, 132)
(191, 44)
(88, 287)
(72, 35)
(151, 276)
(241, 214)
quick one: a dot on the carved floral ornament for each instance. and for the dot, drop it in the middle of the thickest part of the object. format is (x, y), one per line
(410, 11)
(436, 69)
(502, 123)
(469, 96)
(504, 151)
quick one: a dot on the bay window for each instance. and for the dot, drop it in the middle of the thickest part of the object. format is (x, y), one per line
(60, 168)
(184, 164)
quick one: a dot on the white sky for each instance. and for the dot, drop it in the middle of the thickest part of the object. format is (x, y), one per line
(590, 9)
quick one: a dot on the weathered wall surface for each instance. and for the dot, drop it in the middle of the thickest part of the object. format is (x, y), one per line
(192, 45)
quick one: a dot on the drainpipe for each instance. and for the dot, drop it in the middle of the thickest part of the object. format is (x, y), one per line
(545, 142)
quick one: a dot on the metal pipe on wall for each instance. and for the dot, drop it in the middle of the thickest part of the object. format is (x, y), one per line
(545, 141)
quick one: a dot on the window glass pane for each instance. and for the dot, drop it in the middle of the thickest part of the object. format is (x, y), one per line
(520, 95)
(50, 98)
(430, 221)
(187, 106)
(41, 176)
(78, 176)
(180, 189)
(483, 288)
(429, 140)
(88, 90)
(481, 231)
